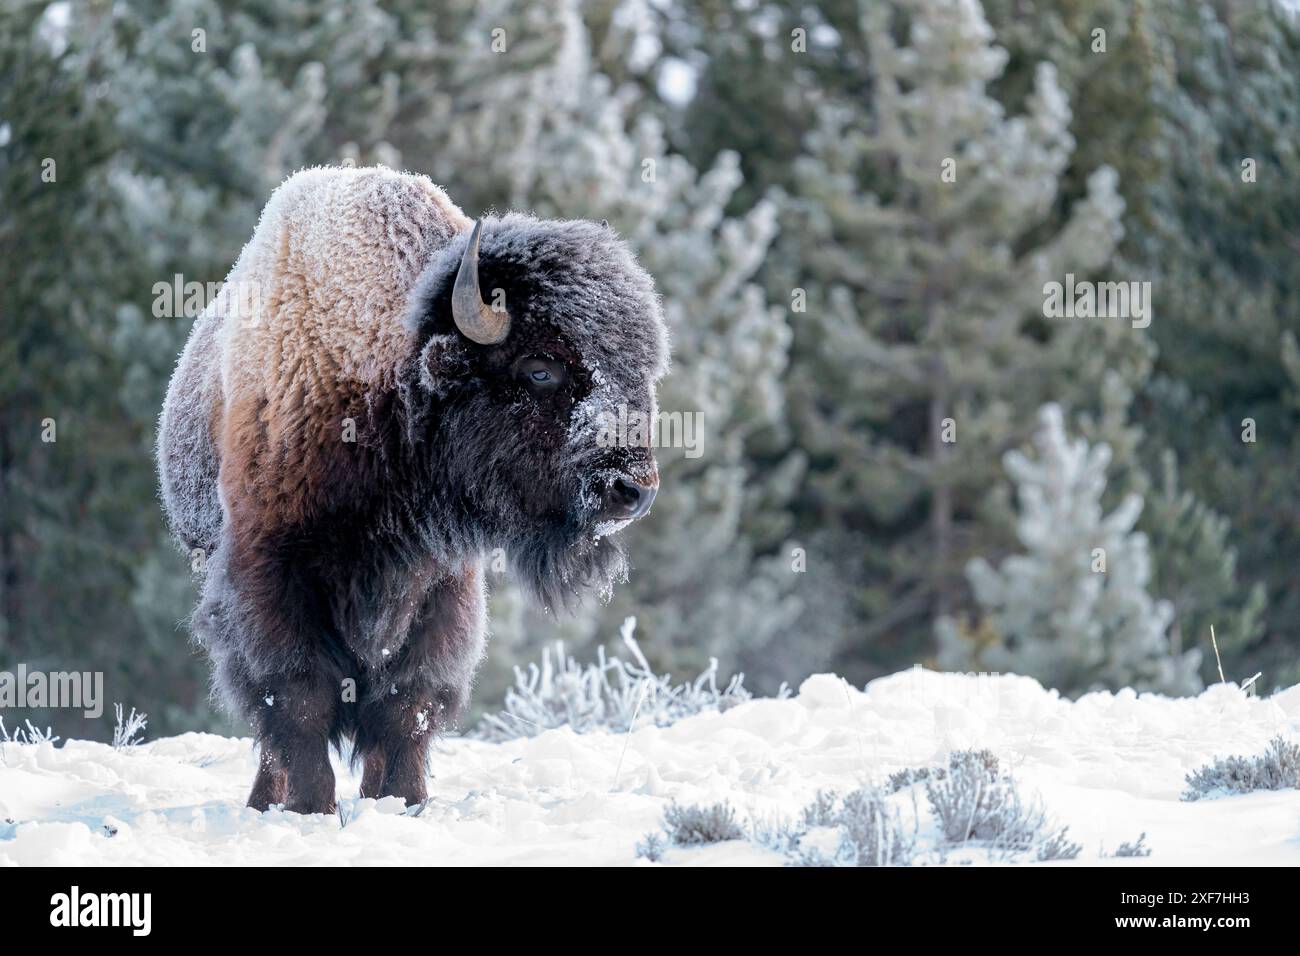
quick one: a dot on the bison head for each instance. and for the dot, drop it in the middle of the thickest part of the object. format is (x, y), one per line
(533, 338)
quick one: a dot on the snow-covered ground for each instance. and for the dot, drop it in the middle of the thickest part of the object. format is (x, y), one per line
(1110, 766)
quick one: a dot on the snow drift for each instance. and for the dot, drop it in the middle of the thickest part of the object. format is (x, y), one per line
(1108, 766)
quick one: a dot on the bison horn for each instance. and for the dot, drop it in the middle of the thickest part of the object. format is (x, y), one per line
(477, 320)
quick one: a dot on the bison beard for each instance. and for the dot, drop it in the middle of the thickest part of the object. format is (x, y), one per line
(342, 587)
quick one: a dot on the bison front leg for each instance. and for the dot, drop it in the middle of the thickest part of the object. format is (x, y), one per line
(372, 774)
(293, 718)
(271, 785)
(423, 691)
(396, 736)
(294, 726)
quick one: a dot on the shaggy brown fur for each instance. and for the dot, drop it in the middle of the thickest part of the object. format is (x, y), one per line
(343, 458)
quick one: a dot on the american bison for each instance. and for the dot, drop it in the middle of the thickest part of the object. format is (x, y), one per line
(383, 393)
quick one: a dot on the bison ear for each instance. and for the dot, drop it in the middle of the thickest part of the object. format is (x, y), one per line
(444, 361)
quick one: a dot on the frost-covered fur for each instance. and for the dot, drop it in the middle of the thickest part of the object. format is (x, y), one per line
(343, 457)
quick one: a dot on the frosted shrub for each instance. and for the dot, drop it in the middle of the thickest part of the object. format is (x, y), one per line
(652, 847)
(698, 825)
(975, 802)
(611, 694)
(1136, 848)
(1278, 768)
(127, 728)
(778, 834)
(821, 812)
(32, 735)
(691, 825)
(867, 832)
(860, 829)
(1059, 846)
(905, 778)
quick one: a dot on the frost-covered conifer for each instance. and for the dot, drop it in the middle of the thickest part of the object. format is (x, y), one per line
(921, 223)
(1073, 608)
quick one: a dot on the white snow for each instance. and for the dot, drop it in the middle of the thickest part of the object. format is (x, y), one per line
(1110, 766)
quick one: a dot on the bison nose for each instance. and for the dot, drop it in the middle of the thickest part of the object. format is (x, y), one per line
(627, 499)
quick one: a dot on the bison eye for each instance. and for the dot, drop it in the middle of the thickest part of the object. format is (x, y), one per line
(541, 374)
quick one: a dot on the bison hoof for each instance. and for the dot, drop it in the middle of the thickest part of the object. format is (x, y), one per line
(412, 791)
(317, 805)
(270, 788)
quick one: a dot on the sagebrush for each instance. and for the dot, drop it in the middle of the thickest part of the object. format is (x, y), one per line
(1277, 768)
(973, 802)
(610, 694)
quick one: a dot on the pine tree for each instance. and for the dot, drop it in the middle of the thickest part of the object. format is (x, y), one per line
(1225, 247)
(922, 238)
(1139, 90)
(1178, 99)
(1074, 609)
(75, 476)
(1195, 569)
